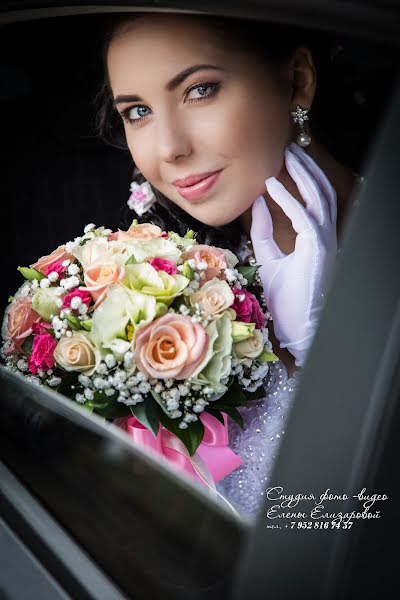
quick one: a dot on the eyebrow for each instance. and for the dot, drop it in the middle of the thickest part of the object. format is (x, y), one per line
(171, 85)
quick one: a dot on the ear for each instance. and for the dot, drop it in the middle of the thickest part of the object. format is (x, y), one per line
(303, 78)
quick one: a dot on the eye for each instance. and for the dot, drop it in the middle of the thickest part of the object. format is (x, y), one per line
(202, 87)
(126, 114)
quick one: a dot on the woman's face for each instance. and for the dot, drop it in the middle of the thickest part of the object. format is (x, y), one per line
(231, 118)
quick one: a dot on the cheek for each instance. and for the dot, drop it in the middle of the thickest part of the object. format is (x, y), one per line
(248, 129)
(143, 155)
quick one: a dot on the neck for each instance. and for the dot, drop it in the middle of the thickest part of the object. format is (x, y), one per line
(342, 179)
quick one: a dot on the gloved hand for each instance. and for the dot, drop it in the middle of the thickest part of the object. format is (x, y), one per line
(294, 284)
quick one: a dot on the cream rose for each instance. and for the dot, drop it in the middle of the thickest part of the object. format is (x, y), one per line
(100, 251)
(77, 353)
(213, 298)
(171, 346)
(250, 347)
(58, 254)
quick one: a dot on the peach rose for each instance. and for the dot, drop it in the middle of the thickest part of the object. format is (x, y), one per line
(171, 346)
(20, 318)
(214, 257)
(59, 254)
(143, 231)
(99, 277)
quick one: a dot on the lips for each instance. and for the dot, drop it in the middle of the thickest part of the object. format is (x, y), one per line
(199, 189)
(192, 179)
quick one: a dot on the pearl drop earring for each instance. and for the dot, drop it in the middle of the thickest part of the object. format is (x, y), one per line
(300, 115)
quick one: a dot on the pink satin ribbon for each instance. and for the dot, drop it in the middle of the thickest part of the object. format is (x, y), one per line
(213, 459)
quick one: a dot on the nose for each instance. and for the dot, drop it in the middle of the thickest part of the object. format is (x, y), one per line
(173, 139)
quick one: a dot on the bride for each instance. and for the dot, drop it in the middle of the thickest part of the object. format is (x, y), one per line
(229, 102)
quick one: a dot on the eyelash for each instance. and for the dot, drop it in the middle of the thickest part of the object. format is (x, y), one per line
(214, 85)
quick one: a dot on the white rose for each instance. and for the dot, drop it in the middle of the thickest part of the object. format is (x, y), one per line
(101, 251)
(142, 249)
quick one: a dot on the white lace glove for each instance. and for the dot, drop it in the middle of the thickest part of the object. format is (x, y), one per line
(294, 284)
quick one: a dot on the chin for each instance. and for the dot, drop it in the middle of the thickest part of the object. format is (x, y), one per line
(217, 219)
(217, 222)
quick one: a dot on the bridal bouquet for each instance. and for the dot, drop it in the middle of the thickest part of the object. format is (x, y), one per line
(148, 329)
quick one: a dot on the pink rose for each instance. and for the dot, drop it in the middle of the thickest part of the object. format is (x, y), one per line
(77, 293)
(162, 264)
(99, 277)
(248, 308)
(42, 356)
(55, 267)
(41, 327)
(171, 346)
(20, 319)
(59, 254)
(214, 257)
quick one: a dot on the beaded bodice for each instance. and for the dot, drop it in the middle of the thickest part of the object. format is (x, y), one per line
(258, 443)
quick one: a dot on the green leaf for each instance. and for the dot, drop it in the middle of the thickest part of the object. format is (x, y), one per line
(107, 406)
(161, 309)
(191, 437)
(266, 356)
(87, 324)
(27, 345)
(30, 274)
(10, 298)
(233, 397)
(215, 397)
(230, 381)
(131, 260)
(147, 413)
(67, 380)
(111, 410)
(87, 406)
(187, 270)
(159, 401)
(249, 272)
(73, 322)
(256, 395)
(236, 416)
(215, 413)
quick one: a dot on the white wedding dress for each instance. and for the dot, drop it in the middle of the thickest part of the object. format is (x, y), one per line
(258, 443)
